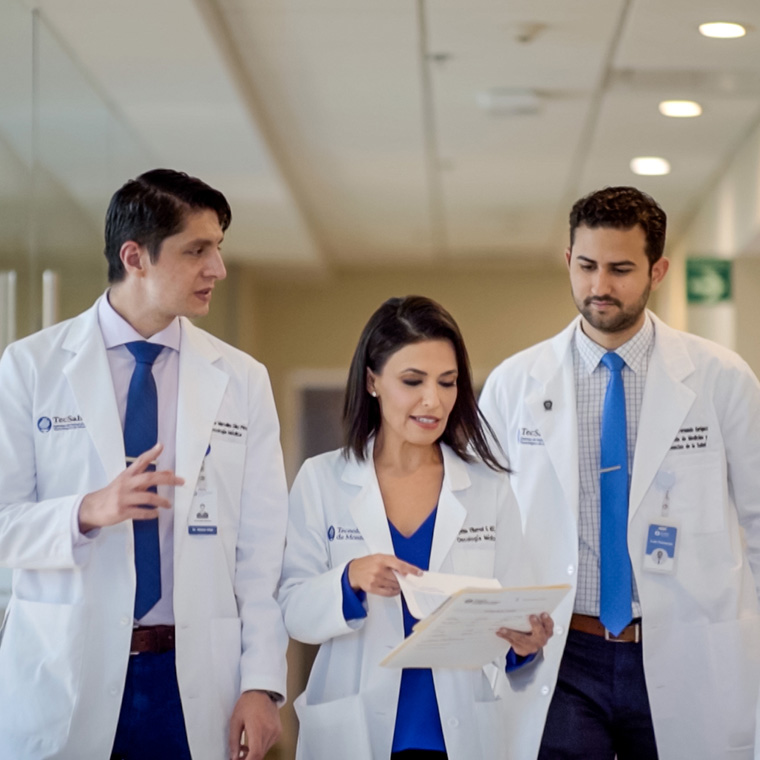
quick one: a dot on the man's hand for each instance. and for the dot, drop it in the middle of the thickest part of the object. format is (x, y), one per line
(120, 500)
(374, 574)
(542, 629)
(259, 716)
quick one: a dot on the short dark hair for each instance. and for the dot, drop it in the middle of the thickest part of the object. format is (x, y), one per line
(398, 323)
(622, 208)
(153, 207)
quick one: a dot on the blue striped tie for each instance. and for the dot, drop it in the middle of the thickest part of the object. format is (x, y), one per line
(615, 601)
(141, 434)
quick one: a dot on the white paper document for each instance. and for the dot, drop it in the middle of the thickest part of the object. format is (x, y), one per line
(461, 632)
(425, 593)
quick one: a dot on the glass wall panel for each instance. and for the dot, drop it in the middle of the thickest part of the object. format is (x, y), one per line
(15, 164)
(64, 149)
(84, 150)
(15, 146)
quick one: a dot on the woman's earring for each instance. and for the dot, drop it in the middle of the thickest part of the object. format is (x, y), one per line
(373, 394)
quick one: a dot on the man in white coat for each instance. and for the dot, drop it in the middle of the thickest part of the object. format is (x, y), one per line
(677, 676)
(109, 648)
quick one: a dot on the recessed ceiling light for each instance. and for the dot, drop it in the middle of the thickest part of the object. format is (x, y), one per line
(650, 166)
(680, 109)
(722, 29)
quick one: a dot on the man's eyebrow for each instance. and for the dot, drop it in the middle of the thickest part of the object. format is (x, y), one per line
(621, 263)
(205, 241)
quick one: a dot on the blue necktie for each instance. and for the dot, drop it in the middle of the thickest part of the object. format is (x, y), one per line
(615, 602)
(141, 434)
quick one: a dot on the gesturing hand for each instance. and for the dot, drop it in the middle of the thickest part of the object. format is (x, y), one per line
(542, 629)
(374, 574)
(121, 499)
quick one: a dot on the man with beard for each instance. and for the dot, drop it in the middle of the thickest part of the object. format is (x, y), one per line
(635, 450)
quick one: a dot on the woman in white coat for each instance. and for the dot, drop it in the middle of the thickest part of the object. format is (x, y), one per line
(415, 487)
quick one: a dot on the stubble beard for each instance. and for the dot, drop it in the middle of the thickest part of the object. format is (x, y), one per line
(617, 321)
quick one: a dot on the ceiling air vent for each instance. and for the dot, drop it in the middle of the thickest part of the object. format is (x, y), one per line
(509, 101)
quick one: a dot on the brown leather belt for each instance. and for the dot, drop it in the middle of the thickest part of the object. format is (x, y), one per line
(153, 639)
(631, 634)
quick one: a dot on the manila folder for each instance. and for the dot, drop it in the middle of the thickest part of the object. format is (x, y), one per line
(461, 633)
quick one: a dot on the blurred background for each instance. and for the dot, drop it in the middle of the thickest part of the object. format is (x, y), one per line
(372, 148)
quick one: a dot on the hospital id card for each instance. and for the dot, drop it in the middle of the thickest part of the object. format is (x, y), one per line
(662, 542)
(203, 517)
(203, 514)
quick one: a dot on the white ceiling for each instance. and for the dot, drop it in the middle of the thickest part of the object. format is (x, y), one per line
(348, 132)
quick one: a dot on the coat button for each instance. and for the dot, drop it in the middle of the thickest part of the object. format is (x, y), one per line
(559, 630)
(570, 569)
(453, 722)
(544, 690)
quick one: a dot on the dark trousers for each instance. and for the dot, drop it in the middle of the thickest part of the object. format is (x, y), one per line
(418, 754)
(600, 707)
(151, 724)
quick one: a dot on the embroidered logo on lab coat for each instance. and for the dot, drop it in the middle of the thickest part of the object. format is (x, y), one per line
(343, 534)
(65, 422)
(528, 437)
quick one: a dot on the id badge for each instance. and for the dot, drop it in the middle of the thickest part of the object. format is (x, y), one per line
(204, 507)
(660, 553)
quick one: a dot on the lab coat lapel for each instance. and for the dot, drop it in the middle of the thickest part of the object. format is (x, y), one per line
(666, 403)
(89, 376)
(366, 507)
(201, 390)
(451, 514)
(369, 516)
(552, 407)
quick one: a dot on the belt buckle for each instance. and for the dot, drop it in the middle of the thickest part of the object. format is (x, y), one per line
(617, 640)
(144, 630)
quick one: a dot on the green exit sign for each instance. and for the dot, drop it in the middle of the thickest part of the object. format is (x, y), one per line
(708, 281)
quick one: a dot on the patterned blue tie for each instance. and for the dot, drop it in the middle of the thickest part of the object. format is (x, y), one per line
(141, 434)
(615, 603)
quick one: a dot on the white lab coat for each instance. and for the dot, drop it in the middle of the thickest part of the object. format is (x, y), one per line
(701, 626)
(65, 646)
(348, 710)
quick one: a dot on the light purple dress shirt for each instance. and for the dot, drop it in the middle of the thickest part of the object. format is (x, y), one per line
(116, 332)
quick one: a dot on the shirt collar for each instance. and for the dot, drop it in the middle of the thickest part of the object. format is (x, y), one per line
(634, 352)
(117, 331)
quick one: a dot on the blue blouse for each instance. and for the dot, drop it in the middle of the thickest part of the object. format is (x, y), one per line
(418, 722)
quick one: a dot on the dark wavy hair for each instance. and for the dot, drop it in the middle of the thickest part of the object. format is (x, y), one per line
(397, 323)
(622, 208)
(153, 207)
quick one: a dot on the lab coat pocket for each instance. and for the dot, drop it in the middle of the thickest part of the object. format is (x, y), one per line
(696, 497)
(489, 721)
(334, 730)
(477, 561)
(734, 691)
(41, 661)
(225, 655)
